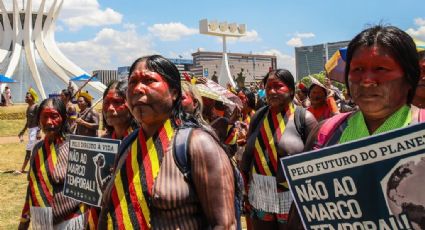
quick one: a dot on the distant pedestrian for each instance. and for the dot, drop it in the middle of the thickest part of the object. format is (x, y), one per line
(71, 111)
(88, 119)
(8, 96)
(31, 124)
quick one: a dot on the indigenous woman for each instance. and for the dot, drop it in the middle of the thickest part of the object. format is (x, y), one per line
(148, 190)
(118, 122)
(192, 101)
(248, 102)
(381, 74)
(322, 101)
(272, 135)
(45, 205)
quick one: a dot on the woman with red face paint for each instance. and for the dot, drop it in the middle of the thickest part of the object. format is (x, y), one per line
(322, 101)
(148, 190)
(272, 135)
(119, 123)
(45, 206)
(381, 75)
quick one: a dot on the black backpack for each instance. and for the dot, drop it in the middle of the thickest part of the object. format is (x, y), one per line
(181, 157)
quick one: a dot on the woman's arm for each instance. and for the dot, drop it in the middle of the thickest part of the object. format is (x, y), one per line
(212, 176)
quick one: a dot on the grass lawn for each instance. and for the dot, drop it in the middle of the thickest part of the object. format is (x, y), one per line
(11, 127)
(12, 187)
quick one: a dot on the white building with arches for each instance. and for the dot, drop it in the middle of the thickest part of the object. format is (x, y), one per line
(29, 54)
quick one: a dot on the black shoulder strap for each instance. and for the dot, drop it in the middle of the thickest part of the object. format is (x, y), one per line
(299, 119)
(181, 145)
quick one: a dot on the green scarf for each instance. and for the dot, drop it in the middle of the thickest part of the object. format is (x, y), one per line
(356, 126)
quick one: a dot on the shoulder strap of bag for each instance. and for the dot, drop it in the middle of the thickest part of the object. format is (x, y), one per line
(181, 145)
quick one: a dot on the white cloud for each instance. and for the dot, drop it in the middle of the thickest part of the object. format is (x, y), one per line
(172, 31)
(77, 13)
(419, 32)
(93, 18)
(108, 50)
(284, 61)
(297, 40)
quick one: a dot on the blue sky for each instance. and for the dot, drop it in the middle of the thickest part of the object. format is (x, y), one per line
(104, 34)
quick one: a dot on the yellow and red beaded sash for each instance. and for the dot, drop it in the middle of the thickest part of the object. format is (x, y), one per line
(94, 212)
(40, 175)
(133, 183)
(40, 187)
(265, 148)
(232, 132)
(247, 119)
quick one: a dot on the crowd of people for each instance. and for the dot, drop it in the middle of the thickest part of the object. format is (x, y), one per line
(231, 154)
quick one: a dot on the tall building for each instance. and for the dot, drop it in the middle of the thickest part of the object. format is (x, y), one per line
(29, 54)
(106, 76)
(183, 65)
(312, 59)
(252, 66)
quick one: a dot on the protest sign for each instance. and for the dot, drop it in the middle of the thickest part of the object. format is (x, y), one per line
(372, 183)
(89, 167)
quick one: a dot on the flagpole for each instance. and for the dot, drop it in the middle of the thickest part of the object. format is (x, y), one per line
(81, 87)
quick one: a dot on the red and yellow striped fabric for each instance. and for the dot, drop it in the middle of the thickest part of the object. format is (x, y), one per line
(94, 212)
(40, 180)
(265, 150)
(132, 188)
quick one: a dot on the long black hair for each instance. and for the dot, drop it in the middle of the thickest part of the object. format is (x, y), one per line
(164, 67)
(400, 45)
(285, 76)
(121, 88)
(60, 107)
(250, 96)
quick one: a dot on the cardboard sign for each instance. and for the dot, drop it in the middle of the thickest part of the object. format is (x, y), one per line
(90, 163)
(373, 183)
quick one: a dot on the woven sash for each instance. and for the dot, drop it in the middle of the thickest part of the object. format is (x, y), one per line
(94, 212)
(264, 192)
(233, 132)
(132, 188)
(265, 150)
(40, 180)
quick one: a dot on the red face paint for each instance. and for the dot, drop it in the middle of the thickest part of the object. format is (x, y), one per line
(150, 98)
(142, 81)
(50, 119)
(243, 98)
(187, 99)
(374, 65)
(113, 101)
(276, 86)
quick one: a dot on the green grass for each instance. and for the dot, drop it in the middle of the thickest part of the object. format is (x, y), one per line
(12, 187)
(11, 127)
